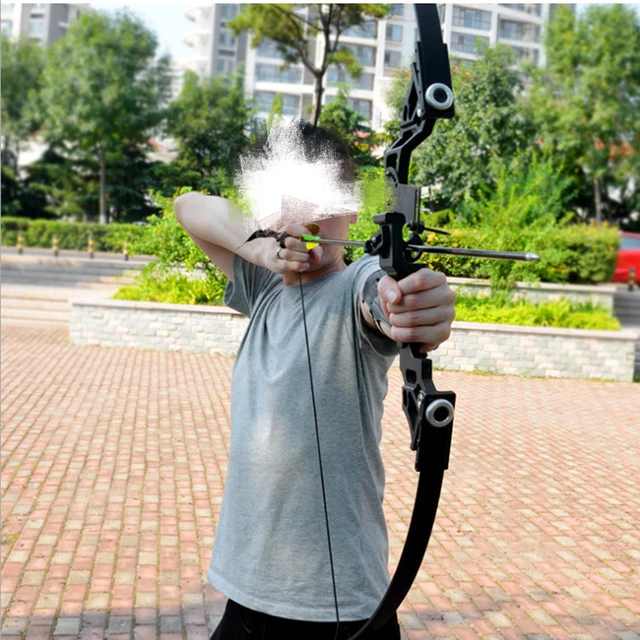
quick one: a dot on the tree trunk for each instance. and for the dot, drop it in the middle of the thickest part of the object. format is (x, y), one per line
(598, 202)
(317, 106)
(103, 180)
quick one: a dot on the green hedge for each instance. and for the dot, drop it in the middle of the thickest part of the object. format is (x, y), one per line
(73, 236)
(553, 313)
(574, 254)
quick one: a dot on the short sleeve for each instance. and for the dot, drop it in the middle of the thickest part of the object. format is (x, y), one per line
(381, 344)
(249, 282)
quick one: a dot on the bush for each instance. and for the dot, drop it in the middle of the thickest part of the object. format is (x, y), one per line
(72, 236)
(156, 283)
(555, 313)
(182, 273)
(569, 253)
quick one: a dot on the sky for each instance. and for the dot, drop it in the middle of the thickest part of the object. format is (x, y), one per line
(167, 20)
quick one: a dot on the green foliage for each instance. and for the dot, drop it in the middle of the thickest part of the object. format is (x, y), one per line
(182, 273)
(521, 211)
(570, 253)
(72, 236)
(556, 313)
(395, 96)
(290, 27)
(489, 123)
(155, 284)
(102, 98)
(376, 198)
(586, 104)
(22, 66)
(208, 120)
(101, 83)
(349, 125)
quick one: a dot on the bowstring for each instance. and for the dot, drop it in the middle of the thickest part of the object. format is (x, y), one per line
(324, 493)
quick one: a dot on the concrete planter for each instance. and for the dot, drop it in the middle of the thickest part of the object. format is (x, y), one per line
(505, 349)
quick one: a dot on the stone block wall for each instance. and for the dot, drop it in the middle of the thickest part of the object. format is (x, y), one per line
(504, 349)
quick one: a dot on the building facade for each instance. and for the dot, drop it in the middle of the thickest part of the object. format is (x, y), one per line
(45, 23)
(380, 46)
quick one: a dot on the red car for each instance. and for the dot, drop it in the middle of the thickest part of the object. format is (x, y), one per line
(628, 257)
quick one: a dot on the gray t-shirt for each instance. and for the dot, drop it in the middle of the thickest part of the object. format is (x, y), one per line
(270, 552)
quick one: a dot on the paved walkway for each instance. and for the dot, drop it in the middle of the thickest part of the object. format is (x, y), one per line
(113, 469)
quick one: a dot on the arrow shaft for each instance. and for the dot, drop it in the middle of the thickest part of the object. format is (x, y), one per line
(476, 253)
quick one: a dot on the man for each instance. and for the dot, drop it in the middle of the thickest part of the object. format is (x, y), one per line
(271, 556)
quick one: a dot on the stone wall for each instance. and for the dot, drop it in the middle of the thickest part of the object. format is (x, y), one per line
(505, 349)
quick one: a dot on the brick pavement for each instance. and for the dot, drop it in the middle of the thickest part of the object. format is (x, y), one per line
(113, 469)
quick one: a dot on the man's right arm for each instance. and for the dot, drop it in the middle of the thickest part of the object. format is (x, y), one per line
(215, 225)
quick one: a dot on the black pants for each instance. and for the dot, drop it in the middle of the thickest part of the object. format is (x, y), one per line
(240, 623)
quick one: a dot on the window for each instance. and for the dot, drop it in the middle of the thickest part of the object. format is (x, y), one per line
(226, 38)
(271, 73)
(225, 65)
(512, 30)
(366, 56)
(36, 26)
(524, 54)
(228, 11)
(290, 104)
(465, 43)
(396, 10)
(392, 59)
(394, 33)
(533, 9)
(442, 12)
(472, 19)
(335, 75)
(367, 29)
(363, 107)
(7, 27)
(629, 242)
(268, 49)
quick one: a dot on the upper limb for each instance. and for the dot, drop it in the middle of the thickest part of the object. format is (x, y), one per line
(419, 308)
(215, 225)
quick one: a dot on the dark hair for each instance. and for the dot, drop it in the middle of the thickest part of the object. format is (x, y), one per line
(317, 141)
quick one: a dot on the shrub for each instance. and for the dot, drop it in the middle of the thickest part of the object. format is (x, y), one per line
(554, 313)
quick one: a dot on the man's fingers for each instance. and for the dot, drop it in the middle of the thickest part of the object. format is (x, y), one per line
(389, 291)
(422, 317)
(435, 334)
(421, 280)
(293, 256)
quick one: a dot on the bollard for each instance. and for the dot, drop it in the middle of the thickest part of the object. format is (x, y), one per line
(56, 240)
(632, 278)
(91, 245)
(126, 248)
(20, 242)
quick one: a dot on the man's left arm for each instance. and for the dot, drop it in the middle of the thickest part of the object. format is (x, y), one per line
(419, 308)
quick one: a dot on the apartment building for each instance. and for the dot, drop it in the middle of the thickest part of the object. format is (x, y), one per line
(380, 46)
(44, 22)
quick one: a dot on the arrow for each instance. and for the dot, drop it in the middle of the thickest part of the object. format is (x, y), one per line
(314, 241)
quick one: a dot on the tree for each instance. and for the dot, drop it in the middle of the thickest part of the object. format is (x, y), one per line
(586, 103)
(489, 122)
(103, 90)
(294, 29)
(22, 66)
(349, 125)
(209, 120)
